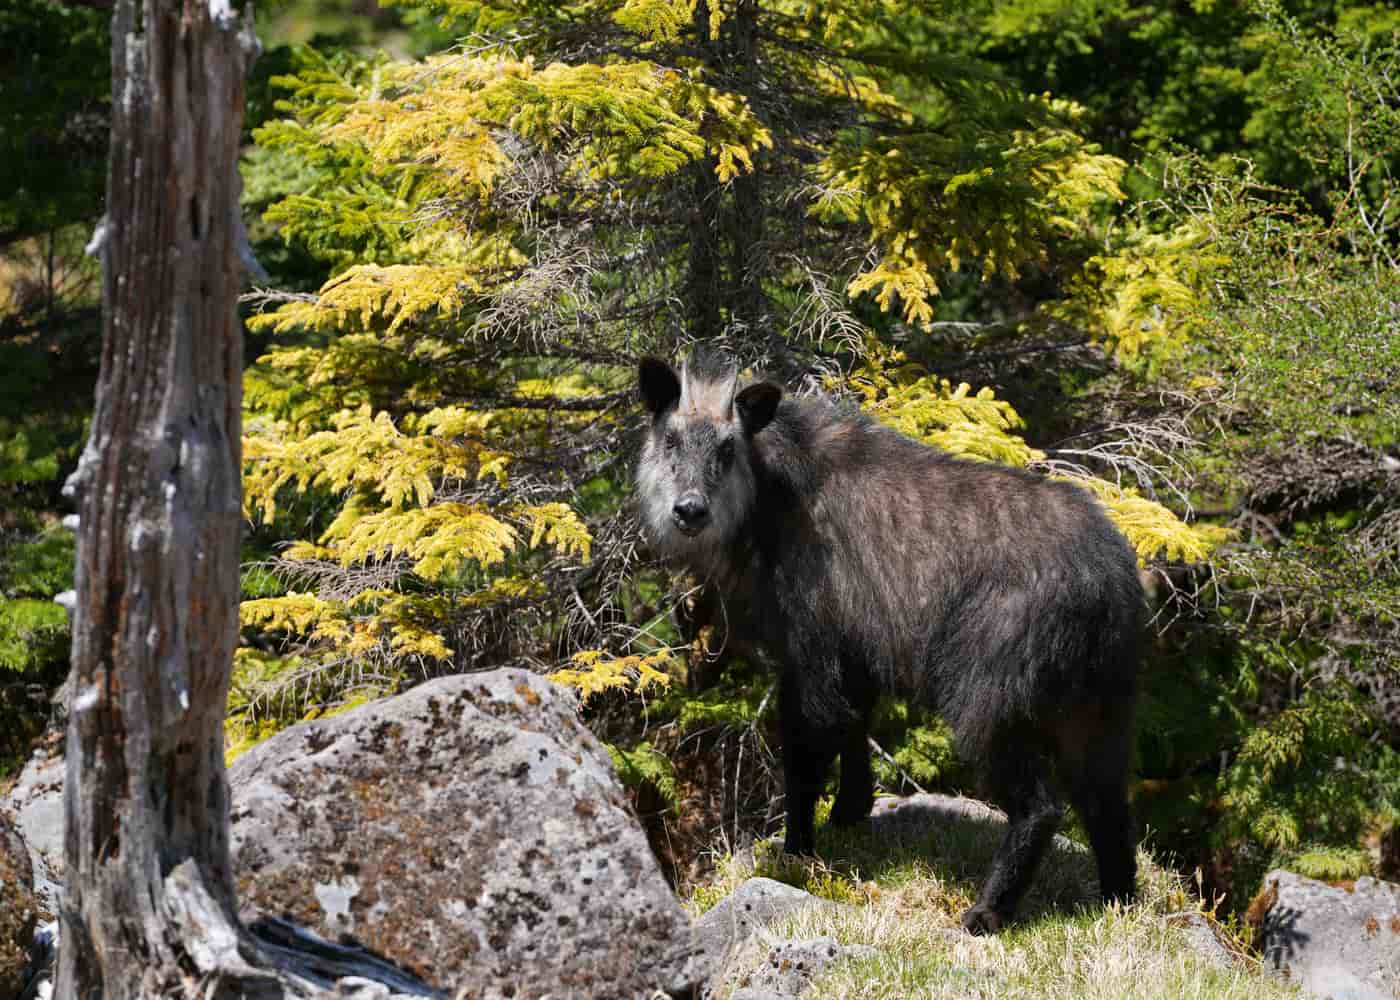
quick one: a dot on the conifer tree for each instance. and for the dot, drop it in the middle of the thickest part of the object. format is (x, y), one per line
(511, 223)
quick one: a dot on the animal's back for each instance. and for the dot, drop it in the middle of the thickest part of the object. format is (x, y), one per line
(936, 572)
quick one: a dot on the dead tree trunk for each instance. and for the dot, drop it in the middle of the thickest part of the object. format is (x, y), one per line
(148, 908)
(149, 904)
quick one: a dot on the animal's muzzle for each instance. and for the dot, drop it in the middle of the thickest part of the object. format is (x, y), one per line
(690, 513)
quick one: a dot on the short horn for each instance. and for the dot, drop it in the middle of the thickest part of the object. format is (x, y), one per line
(730, 390)
(687, 389)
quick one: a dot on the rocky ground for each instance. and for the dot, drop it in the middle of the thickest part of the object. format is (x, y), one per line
(472, 832)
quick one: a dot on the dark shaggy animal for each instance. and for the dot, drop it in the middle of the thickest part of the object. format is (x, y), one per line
(865, 563)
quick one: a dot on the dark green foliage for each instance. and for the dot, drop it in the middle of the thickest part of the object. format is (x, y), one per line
(46, 374)
(39, 567)
(53, 115)
(644, 765)
(1219, 78)
(54, 81)
(52, 143)
(1281, 743)
(33, 634)
(920, 750)
(1305, 775)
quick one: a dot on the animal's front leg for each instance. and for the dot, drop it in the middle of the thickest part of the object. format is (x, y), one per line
(808, 750)
(857, 792)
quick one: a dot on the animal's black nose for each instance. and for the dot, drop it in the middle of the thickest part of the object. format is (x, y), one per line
(690, 513)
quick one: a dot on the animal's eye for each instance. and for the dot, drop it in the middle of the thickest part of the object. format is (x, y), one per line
(726, 451)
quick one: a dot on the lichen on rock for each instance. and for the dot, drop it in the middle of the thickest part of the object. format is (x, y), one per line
(472, 830)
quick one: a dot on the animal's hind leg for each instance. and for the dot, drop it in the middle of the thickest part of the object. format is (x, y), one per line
(1103, 807)
(1021, 787)
(857, 792)
(1097, 779)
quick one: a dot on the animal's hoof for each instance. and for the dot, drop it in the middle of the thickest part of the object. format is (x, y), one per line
(843, 815)
(799, 848)
(982, 920)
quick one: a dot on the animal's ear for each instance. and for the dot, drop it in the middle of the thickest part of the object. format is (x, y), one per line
(756, 405)
(660, 385)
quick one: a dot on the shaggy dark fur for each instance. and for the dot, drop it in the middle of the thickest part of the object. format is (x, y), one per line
(865, 563)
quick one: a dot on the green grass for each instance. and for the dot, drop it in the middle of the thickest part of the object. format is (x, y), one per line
(905, 891)
(1106, 955)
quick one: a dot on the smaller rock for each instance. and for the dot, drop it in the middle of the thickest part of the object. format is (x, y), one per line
(792, 965)
(18, 910)
(42, 957)
(961, 837)
(36, 802)
(916, 815)
(756, 903)
(359, 988)
(1337, 942)
(1201, 935)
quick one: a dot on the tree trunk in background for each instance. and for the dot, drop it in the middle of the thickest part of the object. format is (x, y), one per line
(149, 902)
(704, 287)
(749, 260)
(728, 255)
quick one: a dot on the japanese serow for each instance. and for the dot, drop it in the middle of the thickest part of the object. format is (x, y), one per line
(864, 563)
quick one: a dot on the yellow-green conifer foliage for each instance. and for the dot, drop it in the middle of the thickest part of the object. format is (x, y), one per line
(1144, 300)
(1001, 212)
(592, 671)
(900, 393)
(977, 425)
(509, 226)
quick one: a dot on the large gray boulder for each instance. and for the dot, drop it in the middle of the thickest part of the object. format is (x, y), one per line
(18, 910)
(470, 829)
(1337, 942)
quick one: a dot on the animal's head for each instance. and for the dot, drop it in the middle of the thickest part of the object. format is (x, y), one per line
(695, 480)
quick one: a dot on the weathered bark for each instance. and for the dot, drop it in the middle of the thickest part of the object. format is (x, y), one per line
(149, 902)
(148, 907)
